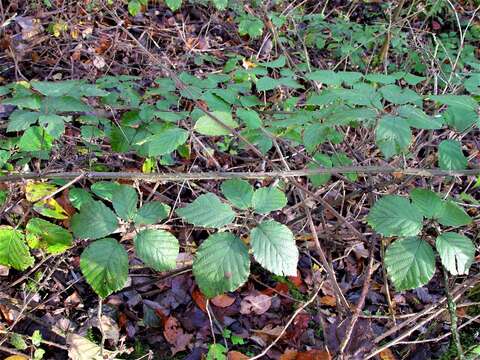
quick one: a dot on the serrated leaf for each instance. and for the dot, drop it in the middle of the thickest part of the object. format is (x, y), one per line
(104, 265)
(124, 201)
(174, 5)
(416, 118)
(393, 215)
(450, 155)
(78, 197)
(221, 264)
(399, 96)
(50, 208)
(164, 142)
(429, 203)
(151, 213)
(64, 104)
(268, 199)
(32, 102)
(238, 192)
(453, 215)
(459, 101)
(52, 238)
(105, 189)
(205, 125)
(95, 220)
(207, 211)
(410, 263)
(392, 135)
(34, 191)
(321, 160)
(157, 249)
(250, 118)
(220, 4)
(55, 88)
(13, 250)
(35, 138)
(20, 120)
(456, 251)
(274, 248)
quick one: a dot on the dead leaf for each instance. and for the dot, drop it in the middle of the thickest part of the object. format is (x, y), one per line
(80, 348)
(387, 354)
(200, 300)
(223, 301)
(314, 355)
(108, 326)
(4, 270)
(175, 336)
(289, 355)
(99, 62)
(236, 355)
(328, 300)
(258, 304)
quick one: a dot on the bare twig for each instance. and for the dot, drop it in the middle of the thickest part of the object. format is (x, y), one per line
(452, 310)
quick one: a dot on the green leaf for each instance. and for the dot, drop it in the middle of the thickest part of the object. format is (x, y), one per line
(399, 96)
(341, 159)
(124, 201)
(459, 101)
(322, 160)
(35, 139)
(78, 197)
(251, 26)
(220, 4)
(410, 263)
(13, 250)
(64, 104)
(268, 199)
(267, 83)
(164, 142)
(450, 155)
(250, 118)
(20, 120)
(393, 135)
(151, 213)
(55, 88)
(221, 264)
(416, 118)
(50, 208)
(274, 248)
(95, 220)
(205, 125)
(134, 7)
(18, 342)
(157, 249)
(429, 203)
(238, 192)
(381, 78)
(207, 211)
(105, 189)
(34, 191)
(53, 238)
(393, 215)
(456, 251)
(277, 63)
(453, 215)
(104, 265)
(32, 102)
(174, 5)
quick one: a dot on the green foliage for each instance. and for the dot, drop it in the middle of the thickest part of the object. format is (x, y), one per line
(13, 249)
(94, 221)
(104, 265)
(238, 192)
(410, 260)
(206, 125)
(157, 249)
(450, 156)
(207, 211)
(268, 199)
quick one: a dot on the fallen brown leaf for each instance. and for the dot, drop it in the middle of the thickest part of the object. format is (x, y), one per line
(256, 304)
(175, 336)
(236, 355)
(223, 301)
(387, 354)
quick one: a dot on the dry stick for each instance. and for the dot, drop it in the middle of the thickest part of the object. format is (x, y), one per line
(361, 301)
(298, 311)
(452, 309)
(219, 175)
(324, 261)
(382, 56)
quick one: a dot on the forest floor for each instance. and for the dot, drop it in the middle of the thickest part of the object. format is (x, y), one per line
(341, 303)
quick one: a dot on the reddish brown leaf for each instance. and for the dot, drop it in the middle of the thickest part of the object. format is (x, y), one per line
(328, 300)
(223, 300)
(289, 355)
(387, 354)
(296, 280)
(200, 300)
(236, 355)
(175, 336)
(314, 355)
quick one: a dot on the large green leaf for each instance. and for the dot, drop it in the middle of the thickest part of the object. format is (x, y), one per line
(45, 235)
(321, 160)
(164, 142)
(274, 248)
(393, 215)
(393, 135)
(450, 155)
(410, 263)
(205, 125)
(124, 201)
(268, 199)
(416, 118)
(20, 120)
(13, 250)
(157, 249)
(64, 104)
(208, 211)
(397, 95)
(32, 102)
(105, 189)
(459, 101)
(151, 213)
(453, 215)
(104, 265)
(174, 5)
(55, 88)
(238, 192)
(221, 264)
(78, 197)
(429, 203)
(95, 220)
(456, 251)
(35, 138)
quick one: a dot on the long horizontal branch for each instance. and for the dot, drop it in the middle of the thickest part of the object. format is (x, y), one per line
(176, 177)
